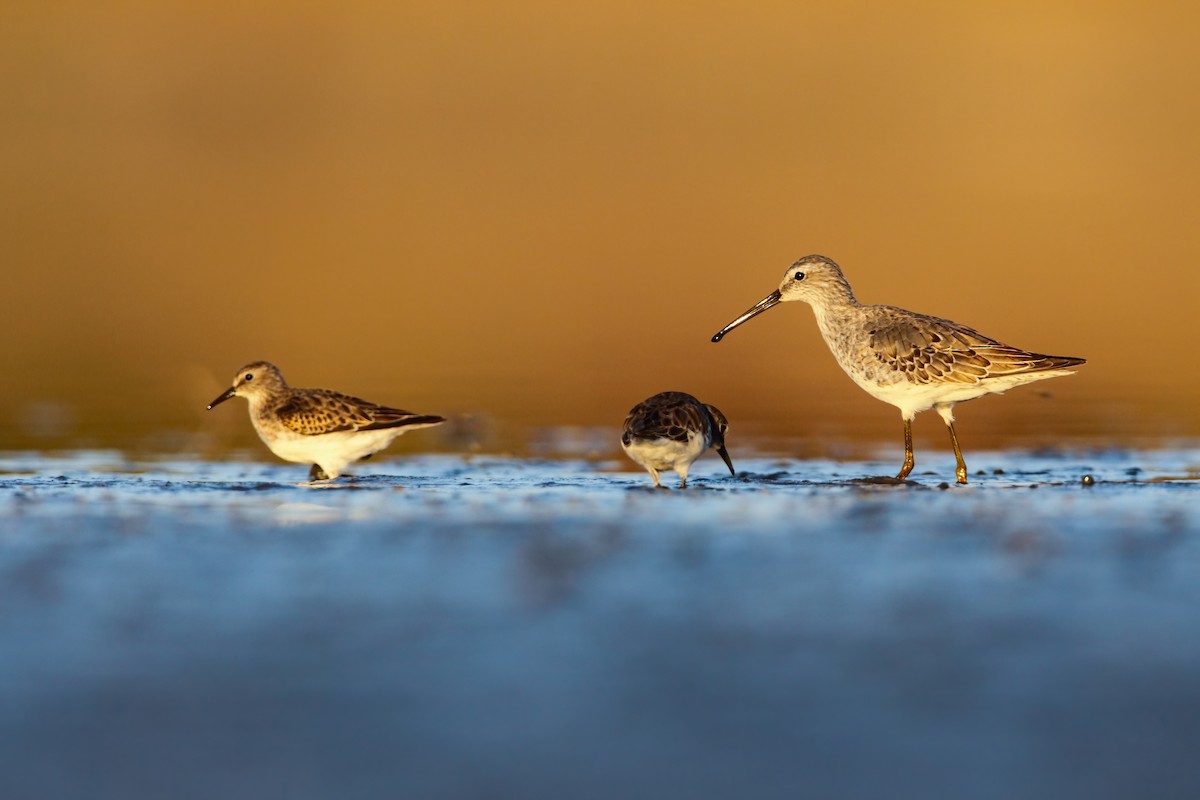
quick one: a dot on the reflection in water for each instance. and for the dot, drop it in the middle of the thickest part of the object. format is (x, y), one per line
(455, 626)
(555, 558)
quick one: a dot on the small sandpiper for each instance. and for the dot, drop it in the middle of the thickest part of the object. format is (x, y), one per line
(909, 360)
(317, 426)
(671, 430)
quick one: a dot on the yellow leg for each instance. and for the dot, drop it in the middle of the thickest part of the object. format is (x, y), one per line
(908, 453)
(960, 466)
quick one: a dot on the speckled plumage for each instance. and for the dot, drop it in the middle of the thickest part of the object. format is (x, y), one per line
(912, 361)
(328, 429)
(670, 431)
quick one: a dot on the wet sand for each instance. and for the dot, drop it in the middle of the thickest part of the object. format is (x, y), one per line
(488, 627)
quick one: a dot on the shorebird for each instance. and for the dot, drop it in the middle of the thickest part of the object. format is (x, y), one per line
(671, 430)
(317, 426)
(909, 360)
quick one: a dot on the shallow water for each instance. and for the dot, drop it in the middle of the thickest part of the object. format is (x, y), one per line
(479, 627)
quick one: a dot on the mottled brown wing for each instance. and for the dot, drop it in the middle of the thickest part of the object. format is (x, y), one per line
(669, 415)
(927, 349)
(315, 412)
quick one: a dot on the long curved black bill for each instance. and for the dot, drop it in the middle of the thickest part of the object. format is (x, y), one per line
(725, 457)
(225, 395)
(767, 302)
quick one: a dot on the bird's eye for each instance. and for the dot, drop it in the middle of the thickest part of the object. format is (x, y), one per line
(799, 276)
(249, 377)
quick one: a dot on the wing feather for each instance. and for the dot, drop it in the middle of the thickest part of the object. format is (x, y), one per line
(669, 415)
(928, 349)
(315, 412)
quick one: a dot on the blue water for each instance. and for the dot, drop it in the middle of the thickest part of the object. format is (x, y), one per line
(488, 627)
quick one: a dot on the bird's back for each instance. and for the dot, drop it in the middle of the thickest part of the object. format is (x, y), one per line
(312, 412)
(914, 361)
(668, 415)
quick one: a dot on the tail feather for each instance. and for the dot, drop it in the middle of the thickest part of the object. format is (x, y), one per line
(410, 421)
(1040, 362)
(1005, 360)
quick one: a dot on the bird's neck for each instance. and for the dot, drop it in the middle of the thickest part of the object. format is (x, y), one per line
(263, 404)
(833, 304)
(833, 308)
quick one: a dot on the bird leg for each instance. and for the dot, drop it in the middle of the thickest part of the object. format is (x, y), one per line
(317, 474)
(908, 451)
(960, 466)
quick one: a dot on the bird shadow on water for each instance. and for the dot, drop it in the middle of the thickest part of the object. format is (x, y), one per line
(882, 480)
(815, 479)
(749, 482)
(355, 484)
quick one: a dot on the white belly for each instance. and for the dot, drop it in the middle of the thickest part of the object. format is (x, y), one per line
(913, 398)
(663, 454)
(331, 451)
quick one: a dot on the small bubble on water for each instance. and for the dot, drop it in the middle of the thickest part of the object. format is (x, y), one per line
(1088, 480)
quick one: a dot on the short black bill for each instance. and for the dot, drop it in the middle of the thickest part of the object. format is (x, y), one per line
(767, 302)
(225, 395)
(725, 457)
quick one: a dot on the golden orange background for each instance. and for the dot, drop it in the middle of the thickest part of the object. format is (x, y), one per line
(537, 213)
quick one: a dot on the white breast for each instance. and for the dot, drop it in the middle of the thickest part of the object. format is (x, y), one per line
(663, 454)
